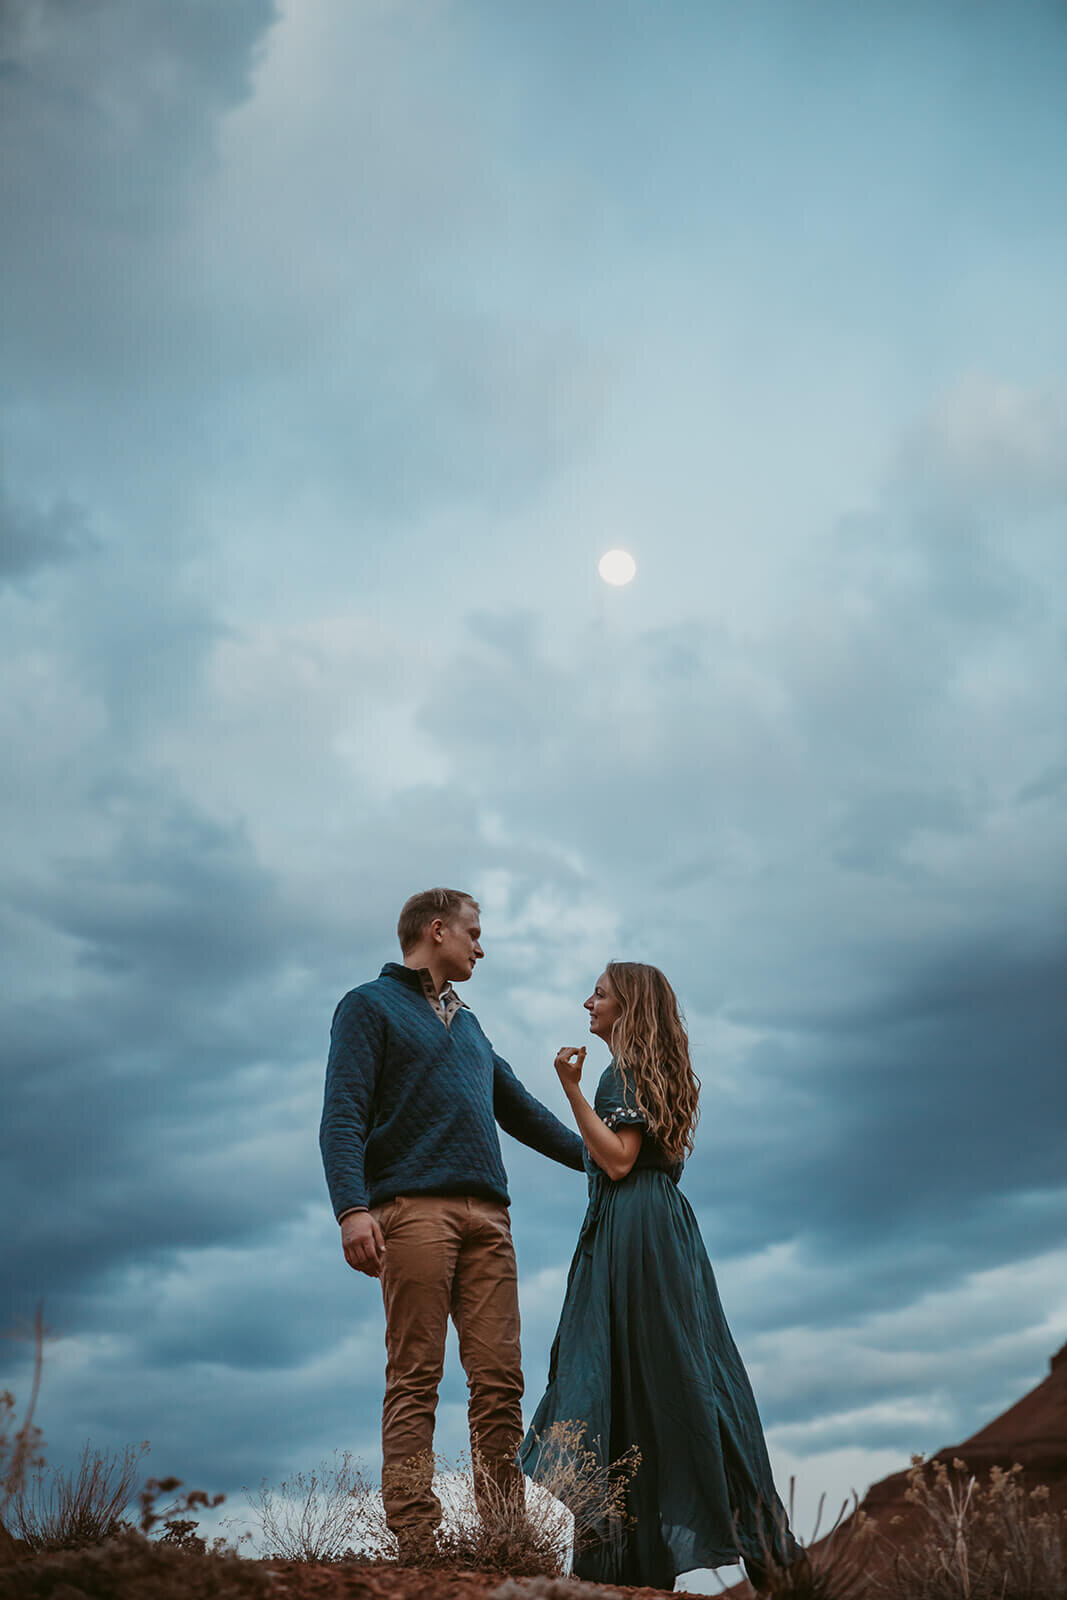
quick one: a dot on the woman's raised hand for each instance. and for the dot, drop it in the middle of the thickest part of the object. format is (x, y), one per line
(569, 1062)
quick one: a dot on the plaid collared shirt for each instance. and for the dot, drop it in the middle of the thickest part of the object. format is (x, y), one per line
(447, 1003)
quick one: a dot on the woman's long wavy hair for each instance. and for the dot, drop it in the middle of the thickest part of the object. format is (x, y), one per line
(651, 1046)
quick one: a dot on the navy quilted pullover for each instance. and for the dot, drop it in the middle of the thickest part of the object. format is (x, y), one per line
(412, 1103)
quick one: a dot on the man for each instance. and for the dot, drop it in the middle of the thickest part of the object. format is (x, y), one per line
(414, 1091)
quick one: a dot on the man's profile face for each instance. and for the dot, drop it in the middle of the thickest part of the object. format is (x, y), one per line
(459, 949)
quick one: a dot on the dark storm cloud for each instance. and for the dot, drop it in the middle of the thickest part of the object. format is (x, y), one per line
(164, 1076)
(32, 539)
(877, 828)
(1048, 786)
(177, 904)
(136, 269)
(320, 407)
(107, 116)
(909, 1124)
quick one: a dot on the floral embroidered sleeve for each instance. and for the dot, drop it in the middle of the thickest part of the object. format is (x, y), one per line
(626, 1117)
(616, 1103)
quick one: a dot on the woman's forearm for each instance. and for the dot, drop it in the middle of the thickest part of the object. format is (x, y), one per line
(614, 1153)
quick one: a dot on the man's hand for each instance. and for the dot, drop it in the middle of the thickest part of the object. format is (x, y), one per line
(362, 1243)
(569, 1063)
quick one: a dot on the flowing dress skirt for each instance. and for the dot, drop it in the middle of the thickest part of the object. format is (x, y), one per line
(643, 1356)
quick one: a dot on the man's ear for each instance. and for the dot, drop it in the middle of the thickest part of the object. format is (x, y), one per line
(437, 929)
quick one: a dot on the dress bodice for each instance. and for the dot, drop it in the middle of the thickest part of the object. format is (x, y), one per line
(615, 1103)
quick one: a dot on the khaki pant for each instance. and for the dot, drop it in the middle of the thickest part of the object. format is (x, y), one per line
(447, 1257)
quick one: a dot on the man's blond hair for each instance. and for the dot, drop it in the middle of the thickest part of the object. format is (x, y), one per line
(421, 909)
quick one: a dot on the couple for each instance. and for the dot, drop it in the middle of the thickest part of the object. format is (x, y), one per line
(643, 1355)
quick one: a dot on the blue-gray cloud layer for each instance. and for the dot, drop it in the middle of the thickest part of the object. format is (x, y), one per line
(335, 345)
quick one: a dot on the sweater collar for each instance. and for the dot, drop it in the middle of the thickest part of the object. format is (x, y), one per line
(445, 1004)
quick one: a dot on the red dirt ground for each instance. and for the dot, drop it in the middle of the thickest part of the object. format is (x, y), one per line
(299, 1582)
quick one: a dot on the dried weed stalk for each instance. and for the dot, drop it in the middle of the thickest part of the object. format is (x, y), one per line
(335, 1514)
(324, 1515)
(179, 1528)
(838, 1570)
(577, 1500)
(20, 1442)
(990, 1540)
(57, 1510)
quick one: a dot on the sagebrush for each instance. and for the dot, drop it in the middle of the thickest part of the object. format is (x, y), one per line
(838, 1569)
(335, 1512)
(20, 1442)
(990, 1539)
(322, 1515)
(58, 1510)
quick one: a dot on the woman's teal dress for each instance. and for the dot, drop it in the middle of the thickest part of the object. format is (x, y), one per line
(643, 1356)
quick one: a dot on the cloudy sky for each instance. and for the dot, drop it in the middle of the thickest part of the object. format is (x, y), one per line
(337, 341)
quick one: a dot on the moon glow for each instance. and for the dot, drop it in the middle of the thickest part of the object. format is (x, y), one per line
(617, 567)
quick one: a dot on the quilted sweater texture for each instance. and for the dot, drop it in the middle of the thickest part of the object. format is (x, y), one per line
(411, 1105)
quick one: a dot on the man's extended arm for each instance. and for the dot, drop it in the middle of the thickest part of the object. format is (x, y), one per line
(357, 1042)
(527, 1120)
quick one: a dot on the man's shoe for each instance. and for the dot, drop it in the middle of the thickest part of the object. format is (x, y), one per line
(415, 1547)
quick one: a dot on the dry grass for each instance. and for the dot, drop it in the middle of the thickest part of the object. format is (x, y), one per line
(20, 1442)
(179, 1528)
(334, 1513)
(324, 1515)
(127, 1565)
(55, 1510)
(484, 1529)
(576, 1501)
(839, 1570)
(131, 1567)
(977, 1540)
(980, 1540)
(523, 1538)
(571, 1474)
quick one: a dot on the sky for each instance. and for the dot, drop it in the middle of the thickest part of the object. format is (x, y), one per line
(337, 342)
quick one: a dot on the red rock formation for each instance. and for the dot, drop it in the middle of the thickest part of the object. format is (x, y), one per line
(1032, 1432)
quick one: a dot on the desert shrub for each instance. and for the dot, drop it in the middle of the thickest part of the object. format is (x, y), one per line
(19, 1451)
(989, 1540)
(131, 1567)
(57, 1510)
(179, 1528)
(322, 1515)
(839, 1570)
(334, 1513)
(20, 1442)
(575, 1499)
(571, 1475)
(527, 1536)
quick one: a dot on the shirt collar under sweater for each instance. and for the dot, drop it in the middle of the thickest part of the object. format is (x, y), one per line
(445, 1004)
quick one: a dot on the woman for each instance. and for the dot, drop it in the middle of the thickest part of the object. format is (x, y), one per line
(643, 1355)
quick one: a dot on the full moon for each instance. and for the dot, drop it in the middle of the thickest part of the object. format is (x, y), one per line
(617, 567)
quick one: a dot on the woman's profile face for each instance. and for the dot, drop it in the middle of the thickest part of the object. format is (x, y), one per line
(603, 1008)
